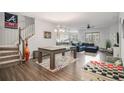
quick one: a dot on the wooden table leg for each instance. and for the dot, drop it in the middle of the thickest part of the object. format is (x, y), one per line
(63, 53)
(52, 61)
(40, 57)
(75, 53)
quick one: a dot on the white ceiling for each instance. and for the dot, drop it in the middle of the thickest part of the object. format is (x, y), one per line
(76, 18)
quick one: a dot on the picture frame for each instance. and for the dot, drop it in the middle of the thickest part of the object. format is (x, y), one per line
(47, 35)
(10, 21)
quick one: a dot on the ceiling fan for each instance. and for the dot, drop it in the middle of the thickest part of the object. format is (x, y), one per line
(88, 26)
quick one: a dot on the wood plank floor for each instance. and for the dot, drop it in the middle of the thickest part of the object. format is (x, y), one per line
(34, 72)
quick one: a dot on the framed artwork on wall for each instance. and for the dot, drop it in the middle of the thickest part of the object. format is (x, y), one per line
(11, 21)
(47, 34)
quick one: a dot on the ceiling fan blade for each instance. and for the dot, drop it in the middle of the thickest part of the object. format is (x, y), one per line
(88, 26)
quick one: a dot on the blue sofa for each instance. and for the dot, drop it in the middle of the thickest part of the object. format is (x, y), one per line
(88, 47)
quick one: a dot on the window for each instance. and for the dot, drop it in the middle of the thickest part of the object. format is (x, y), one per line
(74, 37)
(92, 37)
(66, 36)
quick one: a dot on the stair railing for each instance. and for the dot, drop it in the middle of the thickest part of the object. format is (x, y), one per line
(21, 45)
(23, 37)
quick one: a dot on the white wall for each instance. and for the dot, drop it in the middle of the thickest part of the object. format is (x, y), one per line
(38, 39)
(113, 33)
(121, 31)
(105, 34)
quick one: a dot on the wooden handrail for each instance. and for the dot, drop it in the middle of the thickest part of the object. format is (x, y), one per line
(23, 44)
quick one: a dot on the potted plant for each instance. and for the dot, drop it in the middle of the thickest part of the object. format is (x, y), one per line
(108, 44)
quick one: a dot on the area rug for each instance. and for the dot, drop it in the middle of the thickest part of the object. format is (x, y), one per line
(105, 70)
(60, 61)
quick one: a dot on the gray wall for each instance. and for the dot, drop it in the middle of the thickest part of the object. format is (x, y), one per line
(10, 36)
(7, 36)
(121, 31)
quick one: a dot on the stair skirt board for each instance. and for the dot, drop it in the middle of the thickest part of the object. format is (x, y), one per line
(9, 63)
(9, 56)
(5, 58)
(8, 48)
(6, 53)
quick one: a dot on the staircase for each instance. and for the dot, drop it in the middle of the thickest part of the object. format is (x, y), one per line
(9, 56)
